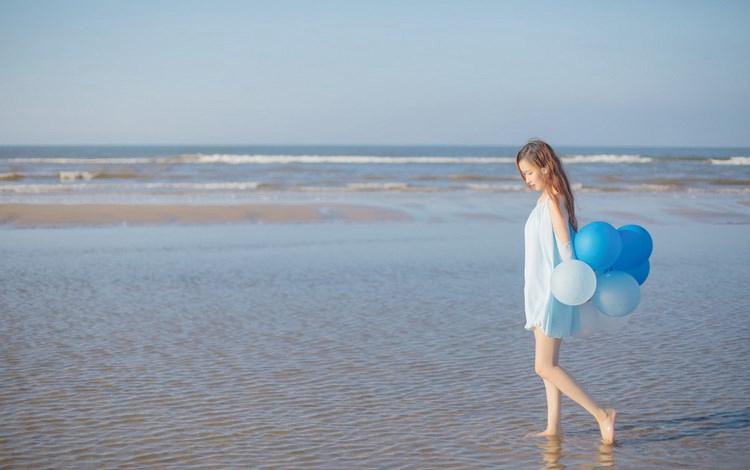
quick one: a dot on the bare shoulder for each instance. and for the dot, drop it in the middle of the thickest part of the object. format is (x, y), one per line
(557, 199)
(557, 206)
(559, 218)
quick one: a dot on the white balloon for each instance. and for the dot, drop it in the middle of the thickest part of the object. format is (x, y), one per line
(573, 282)
(588, 320)
(609, 324)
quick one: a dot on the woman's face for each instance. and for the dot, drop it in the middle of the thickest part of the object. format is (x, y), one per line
(532, 175)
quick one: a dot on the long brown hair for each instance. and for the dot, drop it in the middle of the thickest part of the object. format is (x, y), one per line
(540, 154)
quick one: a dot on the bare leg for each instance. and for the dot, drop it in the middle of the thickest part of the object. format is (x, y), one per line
(554, 422)
(546, 365)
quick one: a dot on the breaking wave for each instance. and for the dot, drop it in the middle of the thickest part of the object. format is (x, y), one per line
(606, 158)
(731, 161)
(53, 188)
(231, 159)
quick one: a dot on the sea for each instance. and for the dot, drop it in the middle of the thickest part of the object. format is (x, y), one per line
(238, 173)
(366, 346)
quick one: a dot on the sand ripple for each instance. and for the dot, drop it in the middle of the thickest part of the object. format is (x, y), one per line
(345, 347)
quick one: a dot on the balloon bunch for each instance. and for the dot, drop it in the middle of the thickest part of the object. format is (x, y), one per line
(612, 264)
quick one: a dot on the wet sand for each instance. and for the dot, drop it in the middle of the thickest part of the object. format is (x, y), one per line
(62, 215)
(361, 345)
(647, 209)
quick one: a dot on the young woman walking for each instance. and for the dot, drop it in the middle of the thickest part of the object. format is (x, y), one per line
(548, 239)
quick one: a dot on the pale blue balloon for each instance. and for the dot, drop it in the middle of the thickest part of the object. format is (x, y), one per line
(573, 282)
(617, 294)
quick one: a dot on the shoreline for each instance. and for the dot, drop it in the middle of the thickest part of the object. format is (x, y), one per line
(108, 214)
(647, 209)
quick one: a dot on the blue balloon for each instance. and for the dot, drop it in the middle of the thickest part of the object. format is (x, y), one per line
(641, 272)
(649, 242)
(617, 294)
(636, 247)
(598, 244)
(573, 282)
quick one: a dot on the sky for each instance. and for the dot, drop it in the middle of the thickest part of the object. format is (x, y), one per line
(461, 72)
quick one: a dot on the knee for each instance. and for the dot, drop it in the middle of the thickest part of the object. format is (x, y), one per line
(542, 370)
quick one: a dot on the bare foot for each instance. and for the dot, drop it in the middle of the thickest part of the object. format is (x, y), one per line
(545, 433)
(607, 427)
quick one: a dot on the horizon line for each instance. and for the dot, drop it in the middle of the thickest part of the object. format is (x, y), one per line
(723, 146)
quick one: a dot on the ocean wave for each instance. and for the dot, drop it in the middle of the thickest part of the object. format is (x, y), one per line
(232, 159)
(494, 188)
(54, 188)
(266, 160)
(188, 188)
(90, 175)
(338, 159)
(12, 176)
(369, 187)
(472, 178)
(731, 161)
(76, 175)
(86, 161)
(647, 187)
(606, 158)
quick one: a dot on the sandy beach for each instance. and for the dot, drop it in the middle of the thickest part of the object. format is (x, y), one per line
(616, 208)
(66, 215)
(361, 334)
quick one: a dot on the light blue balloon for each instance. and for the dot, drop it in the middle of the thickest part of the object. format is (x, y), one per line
(598, 244)
(636, 247)
(641, 272)
(617, 294)
(573, 282)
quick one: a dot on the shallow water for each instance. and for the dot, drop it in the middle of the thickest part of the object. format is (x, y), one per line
(389, 345)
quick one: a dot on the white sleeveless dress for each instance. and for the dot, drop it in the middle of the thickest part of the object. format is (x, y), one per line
(542, 254)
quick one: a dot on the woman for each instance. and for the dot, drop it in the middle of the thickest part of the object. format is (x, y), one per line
(548, 241)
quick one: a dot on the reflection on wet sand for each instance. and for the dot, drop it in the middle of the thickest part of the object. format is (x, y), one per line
(552, 452)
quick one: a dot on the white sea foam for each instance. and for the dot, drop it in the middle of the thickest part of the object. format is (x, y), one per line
(76, 175)
(495, 187)
(606, 158)
(651, 187)
(231, 159)
(731, 161)
(86, 161)
(266, 160)
(338, 159)
(54, 188)
(368, 187)
(11, 176)
(395, 186)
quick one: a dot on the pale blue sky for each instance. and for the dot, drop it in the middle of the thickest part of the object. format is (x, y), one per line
(375, 72)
